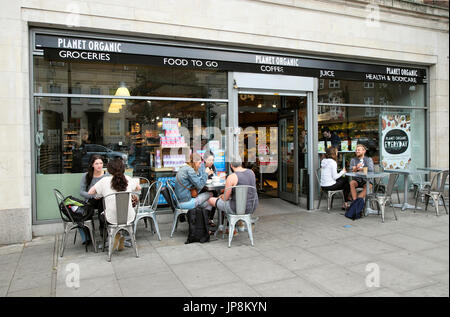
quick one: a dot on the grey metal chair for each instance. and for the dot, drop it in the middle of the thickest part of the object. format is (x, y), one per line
(418, 182)
(435, 191)
(379, 187)
(383, 198)
(241, 195)
(330, 193)
(70, 224)
(175, 205)
(122, 200)
(146, 209)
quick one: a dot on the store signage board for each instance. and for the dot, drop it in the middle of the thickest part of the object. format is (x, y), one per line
(396, 140)
(122, 52)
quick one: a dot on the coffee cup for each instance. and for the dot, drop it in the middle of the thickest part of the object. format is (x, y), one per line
(365, 169)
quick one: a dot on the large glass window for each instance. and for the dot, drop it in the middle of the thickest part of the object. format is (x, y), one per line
(349, 123)
(141, 80)
(150, 135)
(358, 92)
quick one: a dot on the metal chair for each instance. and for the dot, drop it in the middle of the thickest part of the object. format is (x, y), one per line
(70, 224)
(435, 191)
(383, 198)
(417, 182)
(147, 210)
(330, 193)
(122, 202)
(173, 202)
(379, 187)
(241, 194)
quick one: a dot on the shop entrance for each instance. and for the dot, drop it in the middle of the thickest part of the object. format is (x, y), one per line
(273, 143)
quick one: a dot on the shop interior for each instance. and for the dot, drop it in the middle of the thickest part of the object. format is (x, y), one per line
(268, 125)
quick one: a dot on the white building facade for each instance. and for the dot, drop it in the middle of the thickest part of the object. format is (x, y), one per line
(346, 40)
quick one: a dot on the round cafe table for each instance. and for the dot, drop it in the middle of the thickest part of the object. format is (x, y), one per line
(405, 173)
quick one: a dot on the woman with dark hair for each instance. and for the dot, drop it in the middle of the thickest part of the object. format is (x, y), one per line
(116, 182)
(94, 174)
(330, 179)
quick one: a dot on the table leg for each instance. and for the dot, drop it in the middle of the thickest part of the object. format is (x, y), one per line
(368, 210)
(405, 204)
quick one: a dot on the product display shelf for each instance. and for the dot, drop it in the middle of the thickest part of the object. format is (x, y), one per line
(70, 139)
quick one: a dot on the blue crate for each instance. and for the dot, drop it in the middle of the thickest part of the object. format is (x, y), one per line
(161, 200)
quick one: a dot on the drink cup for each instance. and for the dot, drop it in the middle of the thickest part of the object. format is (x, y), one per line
(365, 169)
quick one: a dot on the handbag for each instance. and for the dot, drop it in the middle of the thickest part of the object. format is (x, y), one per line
(193, 190)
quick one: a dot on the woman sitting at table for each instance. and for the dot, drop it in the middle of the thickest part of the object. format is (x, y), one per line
(118, 182)
(94, 174)
(330, 179)
(192, 175)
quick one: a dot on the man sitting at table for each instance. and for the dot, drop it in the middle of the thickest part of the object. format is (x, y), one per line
(241, 176)
(356, 165)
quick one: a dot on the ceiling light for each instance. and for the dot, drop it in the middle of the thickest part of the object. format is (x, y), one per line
(260, 106)
(122, 90)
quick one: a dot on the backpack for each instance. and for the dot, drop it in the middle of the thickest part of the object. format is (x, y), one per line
(78, 209)
(356, 209)
(198, 225)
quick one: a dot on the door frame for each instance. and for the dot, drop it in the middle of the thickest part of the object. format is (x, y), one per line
(282, 85)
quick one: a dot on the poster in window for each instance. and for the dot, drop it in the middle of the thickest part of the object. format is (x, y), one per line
(396, 140)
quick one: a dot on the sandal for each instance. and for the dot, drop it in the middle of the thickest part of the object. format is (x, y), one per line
(211, 223)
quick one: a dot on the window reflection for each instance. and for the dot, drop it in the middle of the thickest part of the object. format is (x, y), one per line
(72, 132)
(141, 80)
(357, 92)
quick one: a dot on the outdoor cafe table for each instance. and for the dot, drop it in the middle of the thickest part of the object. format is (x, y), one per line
(368, 176)
(213, 187)
(405, 173)
(433, 170)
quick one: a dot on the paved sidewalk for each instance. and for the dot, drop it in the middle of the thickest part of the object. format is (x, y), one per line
(296, 253)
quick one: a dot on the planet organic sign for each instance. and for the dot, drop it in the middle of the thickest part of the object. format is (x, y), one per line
(396, 140)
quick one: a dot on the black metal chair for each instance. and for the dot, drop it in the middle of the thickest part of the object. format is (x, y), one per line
(69, 223)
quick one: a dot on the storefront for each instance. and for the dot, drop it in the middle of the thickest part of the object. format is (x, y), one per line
(150, 102)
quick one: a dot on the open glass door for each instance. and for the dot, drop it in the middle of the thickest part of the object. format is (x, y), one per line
(288, 160)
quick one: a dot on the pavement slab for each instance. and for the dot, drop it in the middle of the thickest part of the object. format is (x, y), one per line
(296, 253)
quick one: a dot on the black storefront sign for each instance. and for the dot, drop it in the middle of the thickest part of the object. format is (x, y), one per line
(92, 50)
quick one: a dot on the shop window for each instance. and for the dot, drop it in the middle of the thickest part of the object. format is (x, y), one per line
(370, 100)
(334, 83)
(145, 134)
(95, 91)
(321, 83)
(55, 89)
(76, 91)
(115, 128)
(353, 92)
(141, 80)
